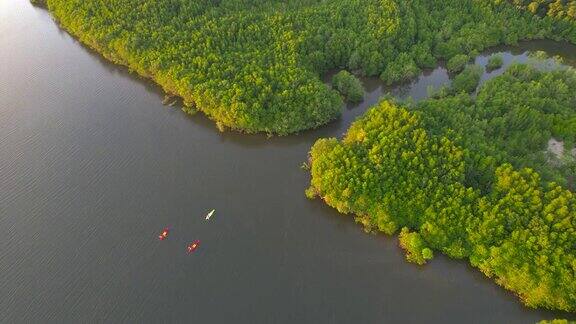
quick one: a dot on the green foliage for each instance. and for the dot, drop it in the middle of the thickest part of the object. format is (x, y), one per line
(511, 120)
(415, 247)
(467, 80)
(560, 14)
(310, 193)
(256, 65)
(552, 8)
(457, 63)
(454, 174)
(556, 321)
(494, 62)
(402, 69)
(349, 86)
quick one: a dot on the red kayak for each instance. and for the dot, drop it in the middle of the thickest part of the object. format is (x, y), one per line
(193, 246)
(164, 234)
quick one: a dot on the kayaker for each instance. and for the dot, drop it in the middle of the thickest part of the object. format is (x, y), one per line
(193, 246)
(164, 234)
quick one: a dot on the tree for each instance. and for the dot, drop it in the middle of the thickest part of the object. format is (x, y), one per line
(467, 80)
(467, 176)
(349, 86)
(457, 63)
(494, 62)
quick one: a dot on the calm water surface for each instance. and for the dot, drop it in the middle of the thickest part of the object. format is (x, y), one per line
(93, 166)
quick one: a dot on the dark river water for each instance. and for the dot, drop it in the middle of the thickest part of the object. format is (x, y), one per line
(93, 166)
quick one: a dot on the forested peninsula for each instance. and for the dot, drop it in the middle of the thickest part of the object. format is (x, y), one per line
(469, 177)
(256, 66)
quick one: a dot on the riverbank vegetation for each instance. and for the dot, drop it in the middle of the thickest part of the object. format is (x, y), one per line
(457, 63)
(348, 86)
(256, 66)
(467, 81)
(39, 3)
(495, 61)
(468, 177)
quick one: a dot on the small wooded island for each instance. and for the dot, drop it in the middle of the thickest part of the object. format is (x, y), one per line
(464, 175)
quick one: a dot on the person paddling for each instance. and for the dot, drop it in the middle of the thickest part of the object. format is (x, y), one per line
(164, 234)
(193, 246)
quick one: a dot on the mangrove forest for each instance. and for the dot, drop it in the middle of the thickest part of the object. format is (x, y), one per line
(469, 176)
(256, 65)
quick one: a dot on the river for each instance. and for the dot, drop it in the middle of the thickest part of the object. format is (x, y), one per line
(93, 166)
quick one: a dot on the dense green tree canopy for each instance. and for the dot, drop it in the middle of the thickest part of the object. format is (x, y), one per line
(349, 86)
(255, 65)
(562, 9)
(495, 61)
(556, 321)
(511, 120)
(457, 63)
(467, 81)
(458, 175)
